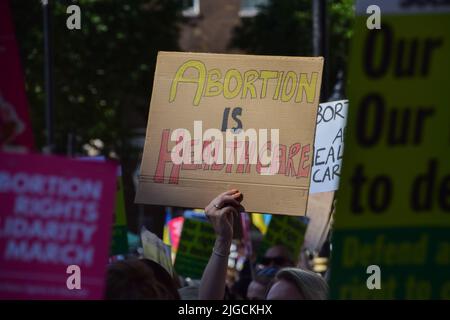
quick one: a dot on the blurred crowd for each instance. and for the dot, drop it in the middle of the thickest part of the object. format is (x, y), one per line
(276, 275)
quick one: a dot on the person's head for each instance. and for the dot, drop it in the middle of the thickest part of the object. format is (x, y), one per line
(298, 284)
(136, 279)
(258, 287)
(277, 256)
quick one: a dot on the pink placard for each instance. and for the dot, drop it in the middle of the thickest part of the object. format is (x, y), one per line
(54, 212)
(175, 226)
(15, 129)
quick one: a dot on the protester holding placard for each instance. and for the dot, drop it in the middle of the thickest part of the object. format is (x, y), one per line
(291, 283)
(221, 212)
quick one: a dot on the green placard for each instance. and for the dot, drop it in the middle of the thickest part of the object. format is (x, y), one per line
(195, 247)
(119, 243)
(288, 231)
(393, 207)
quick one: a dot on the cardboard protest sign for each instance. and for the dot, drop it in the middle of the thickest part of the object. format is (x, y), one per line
(219, 121)
(393, 208)
(194, 248)
(328, 146)
(287, 231)
(55, 212)
(15, 129)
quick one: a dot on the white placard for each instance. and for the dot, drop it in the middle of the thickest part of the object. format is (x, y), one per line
(329, 146)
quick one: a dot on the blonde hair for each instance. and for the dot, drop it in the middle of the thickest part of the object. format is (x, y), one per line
(310, 285)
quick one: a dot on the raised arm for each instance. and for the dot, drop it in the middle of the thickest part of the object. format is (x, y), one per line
(221, 212)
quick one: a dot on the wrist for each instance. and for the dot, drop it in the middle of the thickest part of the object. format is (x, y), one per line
(222, 246)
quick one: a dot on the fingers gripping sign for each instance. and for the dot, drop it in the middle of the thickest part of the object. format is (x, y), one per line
(222, 211)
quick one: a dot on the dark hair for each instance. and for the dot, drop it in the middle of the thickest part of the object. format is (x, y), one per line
(136, 279)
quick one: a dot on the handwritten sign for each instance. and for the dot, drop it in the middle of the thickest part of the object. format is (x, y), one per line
(231, 121)
(329, 146)
(55, 212)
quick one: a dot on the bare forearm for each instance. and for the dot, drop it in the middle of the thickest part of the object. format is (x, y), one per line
(212, 286)
(221, 212)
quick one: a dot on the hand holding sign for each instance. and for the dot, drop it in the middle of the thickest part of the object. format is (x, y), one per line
(222, 211)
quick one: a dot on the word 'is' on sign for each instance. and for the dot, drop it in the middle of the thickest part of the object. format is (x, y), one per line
(248, 121)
